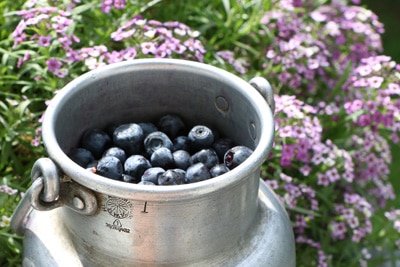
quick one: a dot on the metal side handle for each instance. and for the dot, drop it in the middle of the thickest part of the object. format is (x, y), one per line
(265, 89)
(48, 191)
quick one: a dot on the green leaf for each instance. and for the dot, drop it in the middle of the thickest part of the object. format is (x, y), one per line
(304, 211)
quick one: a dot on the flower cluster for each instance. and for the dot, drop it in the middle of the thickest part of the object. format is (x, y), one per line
(313, 50)
(239, 65)
(370, 108)
(332, 49)
(48, 26)
(5, 220)
(394, 216)
(8, 190)
(372, 93)
(149, 38)
(106, 5)
(305, 170)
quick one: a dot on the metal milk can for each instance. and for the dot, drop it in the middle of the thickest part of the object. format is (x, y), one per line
(73, 217)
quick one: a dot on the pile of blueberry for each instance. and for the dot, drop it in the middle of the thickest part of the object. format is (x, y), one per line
(163, 153)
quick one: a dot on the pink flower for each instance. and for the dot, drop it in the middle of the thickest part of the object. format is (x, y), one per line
(53, 64)
(44, 40)
(375, 81)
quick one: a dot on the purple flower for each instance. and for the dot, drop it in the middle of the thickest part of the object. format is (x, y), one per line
(106, 5)
(60, 23)
(375, 81)
(53, 64)
(44, 40)
(19, 29)
(119, 4)
(323, 179)
(8, 190)
(22, 60)
(338, 230)
(129, 53)
(61, 73)
(148, 48)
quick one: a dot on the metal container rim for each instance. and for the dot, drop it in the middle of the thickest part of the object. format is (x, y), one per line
(161, 193)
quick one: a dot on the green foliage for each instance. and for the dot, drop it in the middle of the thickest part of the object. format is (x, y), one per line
(27, 83)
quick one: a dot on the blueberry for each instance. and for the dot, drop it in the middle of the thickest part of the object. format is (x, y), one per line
(130, 179)
(216, 133)
(172, 125)
(172, 177)
(110, 167)
(218, 170)
(200, 137)
(196, 173)
(116, 152)
(146, 183)
(136, 165)
(82, 156)
(156, 140)
(151, 174)
(96, 141)
(163, 158)
(147, 127)
(236, 155)
(129, 137)
(222, 145)
(206, 156)
(181, 143)
(181, 159)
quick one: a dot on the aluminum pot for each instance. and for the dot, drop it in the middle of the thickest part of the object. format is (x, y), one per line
(208, 223)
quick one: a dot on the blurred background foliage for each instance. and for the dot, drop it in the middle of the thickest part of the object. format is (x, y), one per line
(388, 12)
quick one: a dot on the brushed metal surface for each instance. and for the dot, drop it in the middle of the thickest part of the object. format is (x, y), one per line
(269, 242)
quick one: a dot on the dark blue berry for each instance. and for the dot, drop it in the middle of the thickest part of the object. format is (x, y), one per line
(206, 156)
(172, 177)
(220, 147)
(200, 137)
(116, 152)
(156, 140)
(172, 125)
(236, 155)
(129, 137)
(196, 173)
(181, 159)
(163, 158)
(181, 143)
(136, 165)
(110, 167)
(96, 141)
(82, 157)
(151, 174)
(218, 170)
(216, 133)
(147, 127)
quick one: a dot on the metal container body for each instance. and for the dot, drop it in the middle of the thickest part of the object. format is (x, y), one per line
(161, 225)
(269, 242)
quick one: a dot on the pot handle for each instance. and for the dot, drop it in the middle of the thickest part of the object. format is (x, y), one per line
(50, 190)
(265, 89)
